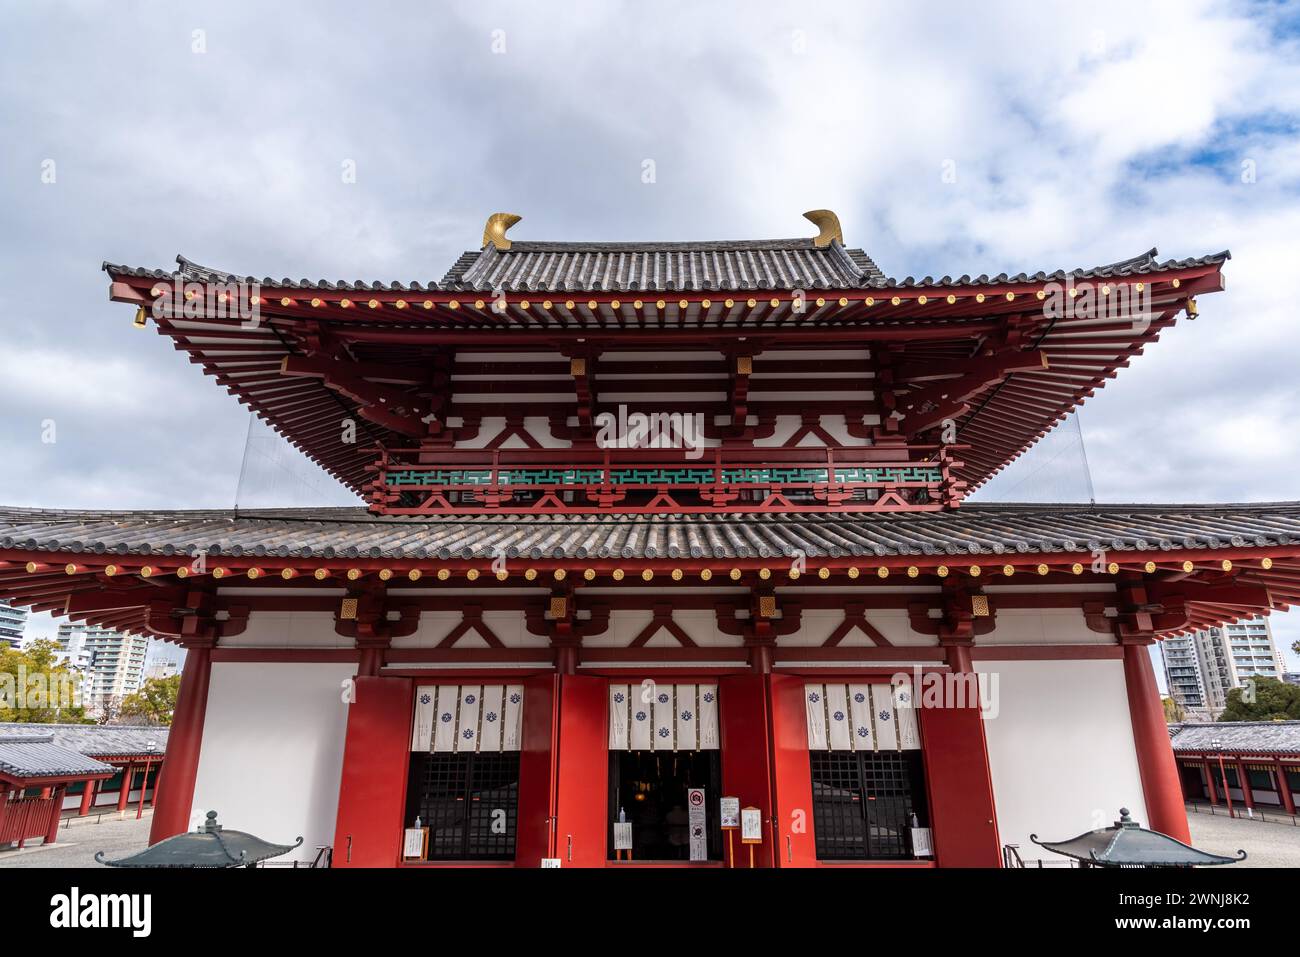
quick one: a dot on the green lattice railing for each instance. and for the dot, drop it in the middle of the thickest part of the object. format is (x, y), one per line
(601, 480)
(652, 478)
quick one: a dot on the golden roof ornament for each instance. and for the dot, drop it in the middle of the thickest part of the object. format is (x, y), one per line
(828, 223)
(495, 230)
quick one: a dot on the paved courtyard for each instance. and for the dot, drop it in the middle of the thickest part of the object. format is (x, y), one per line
(80, 838)
(1267, 844)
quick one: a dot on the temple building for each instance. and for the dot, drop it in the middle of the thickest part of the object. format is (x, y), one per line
(664, 558)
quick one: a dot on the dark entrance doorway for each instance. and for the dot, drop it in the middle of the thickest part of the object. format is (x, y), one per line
(1193, 783)
(650, 787)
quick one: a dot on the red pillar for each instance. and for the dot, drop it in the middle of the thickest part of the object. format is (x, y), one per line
(376, 759)
(87, 798)
(566, 657)
(144, 788)
(582, 771)
(1284, 788)
(56, 815)
(1164, 796)
(1244, 778)
(371, 658)
(791, 840)
(124, 795)
(173, 803)
(1209, 782)
(744, 722)
(962, 811)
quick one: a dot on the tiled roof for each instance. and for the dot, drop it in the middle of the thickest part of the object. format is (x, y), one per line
(1142, 265)
(973, 529)
(37, 756)
(666, 267)
(94, 739)
(1255, 737)
(193, 272)
(670, 267)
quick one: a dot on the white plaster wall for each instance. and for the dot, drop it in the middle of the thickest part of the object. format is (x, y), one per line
(272, 751)
(539, 427)
(510, 627)
(1042, 626)
(289, 629)
(1061, 750)
(625, 624)
(817, 624)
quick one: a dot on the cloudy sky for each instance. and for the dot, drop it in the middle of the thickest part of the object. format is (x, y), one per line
(131, 131)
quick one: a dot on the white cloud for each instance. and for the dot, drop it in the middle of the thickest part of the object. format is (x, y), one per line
(1077, 140)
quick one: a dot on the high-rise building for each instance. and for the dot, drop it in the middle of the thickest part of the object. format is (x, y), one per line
(12, 622)
(1216, 670)
(114, 663)
(1252, 652)
(75, 654)
(1183, 673)
(163, 659)
(1201, 669)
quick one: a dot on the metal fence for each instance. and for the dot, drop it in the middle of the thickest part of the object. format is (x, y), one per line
(1239, 811)
(1011, 858)
(324, 857)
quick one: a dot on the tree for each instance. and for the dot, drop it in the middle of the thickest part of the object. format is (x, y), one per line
(37, 688)
(1263, 699)
(154, 702)
(1173, 710)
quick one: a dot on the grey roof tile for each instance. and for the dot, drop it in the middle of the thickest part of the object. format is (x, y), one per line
(96, 740)
(546, 267)
(37, 756)
(1256, 737)
(973, 529)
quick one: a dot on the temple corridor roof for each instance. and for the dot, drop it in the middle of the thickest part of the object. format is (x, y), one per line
(34, 756)
(1243, 737)
(96, 740)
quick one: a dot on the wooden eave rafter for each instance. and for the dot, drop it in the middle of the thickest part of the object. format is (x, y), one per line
(1000, 419)
(1186, 589)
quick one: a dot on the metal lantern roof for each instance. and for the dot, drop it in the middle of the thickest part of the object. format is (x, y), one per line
(209, 846)
(1127, 844)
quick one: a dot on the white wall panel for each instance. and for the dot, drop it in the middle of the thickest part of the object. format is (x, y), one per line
(272, 751)
(1045, 626)
(1060, 749)
(289, 629)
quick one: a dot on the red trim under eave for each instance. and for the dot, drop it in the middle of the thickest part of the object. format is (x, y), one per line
(146, 757)
(1111, 652)
(786, 653)
(541, 655)
(706, 653)
(1280, 756)
(283, 655)
(463, 674)
(54, 781)
(52, 567)
(632, 670)
(135, 289)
